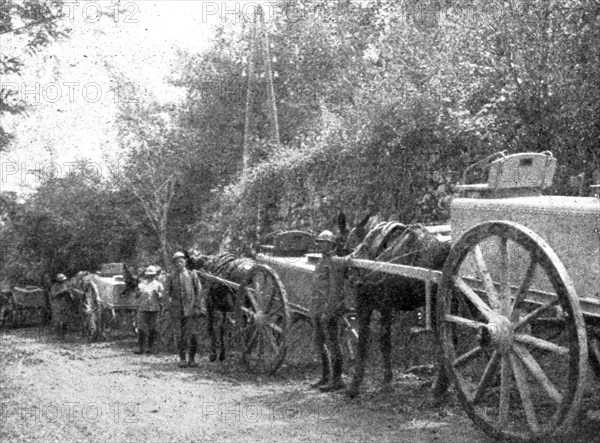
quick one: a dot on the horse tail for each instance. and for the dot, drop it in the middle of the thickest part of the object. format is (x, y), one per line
(342, 224)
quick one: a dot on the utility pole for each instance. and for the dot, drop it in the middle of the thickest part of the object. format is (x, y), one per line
(259, 47)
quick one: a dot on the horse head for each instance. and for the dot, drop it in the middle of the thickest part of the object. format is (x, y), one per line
(131, 281)
(195, 260)
(358, 234)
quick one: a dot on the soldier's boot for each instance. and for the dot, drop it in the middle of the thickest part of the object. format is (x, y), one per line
(151, 340)
(63, 330)
(182, 361)
(336, 382)
(141, 340)
(326, 372)
(192, 357)
(60, 333)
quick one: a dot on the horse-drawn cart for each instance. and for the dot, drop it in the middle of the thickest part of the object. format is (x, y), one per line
(517, 305)
(23, 306)
(270, 300)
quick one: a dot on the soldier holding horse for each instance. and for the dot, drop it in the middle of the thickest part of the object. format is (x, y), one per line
(327, 306)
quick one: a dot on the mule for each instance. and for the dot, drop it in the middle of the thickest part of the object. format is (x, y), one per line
(395, 243)
(93, 311)
(220, 298)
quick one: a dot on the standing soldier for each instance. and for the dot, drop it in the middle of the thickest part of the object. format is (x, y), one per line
(183, 289)
(149, 292)
(60, 303)
(327, 307)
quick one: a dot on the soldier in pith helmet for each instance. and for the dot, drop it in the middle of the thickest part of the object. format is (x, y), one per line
(327, 307)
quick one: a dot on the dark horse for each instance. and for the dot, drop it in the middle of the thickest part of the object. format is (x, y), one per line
(220, 297)
(395, 243)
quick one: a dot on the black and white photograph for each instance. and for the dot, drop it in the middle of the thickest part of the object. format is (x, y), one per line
(300, 220)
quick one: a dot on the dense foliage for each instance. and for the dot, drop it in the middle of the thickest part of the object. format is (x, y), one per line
(72, 223)
(377, 101)
(389, 101)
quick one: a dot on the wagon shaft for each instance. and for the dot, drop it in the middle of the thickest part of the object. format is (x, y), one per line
(215, 279)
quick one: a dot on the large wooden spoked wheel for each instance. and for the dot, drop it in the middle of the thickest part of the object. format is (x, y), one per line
(512, 332)
(262, 318)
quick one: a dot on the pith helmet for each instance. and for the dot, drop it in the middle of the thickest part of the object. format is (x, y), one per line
(61, 277)
(178, 255)
(151, 270)
(326, 236)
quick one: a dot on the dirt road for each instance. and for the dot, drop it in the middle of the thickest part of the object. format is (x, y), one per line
(75, 391)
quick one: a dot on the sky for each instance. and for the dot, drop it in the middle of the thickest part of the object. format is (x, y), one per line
(71, 97)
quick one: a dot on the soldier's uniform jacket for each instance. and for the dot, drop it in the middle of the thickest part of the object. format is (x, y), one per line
(60, 302)
(149, 293)
(183, 289)
(327, 299)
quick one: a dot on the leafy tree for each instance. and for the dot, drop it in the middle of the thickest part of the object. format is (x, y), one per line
(31, 25)
(155, 164)
(72, 223)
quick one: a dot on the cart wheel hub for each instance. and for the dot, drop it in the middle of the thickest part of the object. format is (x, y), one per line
(260, 318)
(498, 334)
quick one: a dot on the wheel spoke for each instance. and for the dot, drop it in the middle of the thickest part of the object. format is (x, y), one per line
(467, 357)
(274, 302)
(253, 338)
(536, 370)
(473, 297)
(463, 321)
(276, 328)
(488, 374)
(523, 387)
(541, 344)
(261, 343)
(595, 348)
(529, 274)
(252, 299)
(260, 296)
(250, 313)
(504, 277)
(272, 342)
(504, 391)
(533, 314)
(486, 278)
